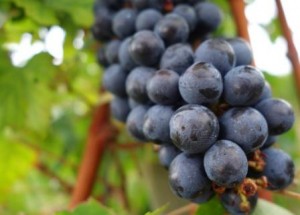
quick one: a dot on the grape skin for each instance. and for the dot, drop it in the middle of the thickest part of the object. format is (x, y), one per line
(187, 178)
(244, 126)
(194, 128)
(225, 163)
(279, 169)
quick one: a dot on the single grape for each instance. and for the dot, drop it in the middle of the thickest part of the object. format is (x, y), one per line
(225, 163)
(166, 154)
(278, 113)
(233, 203)
(145, 4)
(242, 51)
(125, 59)
(112, 51)
(124, 23)
(146, 48)
(266, 93)
(114, 79)
(243, 86)
(271, 140)
(119, 108)
(209, 17)
(177, 57)
(136, 83)
(133, 103)
(194, 128)
(102, 27)
(112, 4)
(172, 29)
(156, 125)
(201, 84)
(218, 52)
(162, 87)
(135, 121)
(279, 169)
(244, 126)
(187, 177)
(101, 58)
(188, 13)
(147, 19)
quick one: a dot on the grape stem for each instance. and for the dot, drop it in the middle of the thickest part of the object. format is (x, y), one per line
(292, 52)
(189, 208)
(290, 194)
(101, 132)
(238, 8)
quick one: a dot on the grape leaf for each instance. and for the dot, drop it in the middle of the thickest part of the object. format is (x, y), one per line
(79, 10)
(92, 207)
(212, 207)
(38, 11)
(158, 211)
(265, 208)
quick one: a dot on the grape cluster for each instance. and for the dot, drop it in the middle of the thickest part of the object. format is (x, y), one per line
(210, 111)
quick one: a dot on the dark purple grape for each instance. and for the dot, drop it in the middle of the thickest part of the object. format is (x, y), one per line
(278, 113)
(225, 163)
(177, 57)
(191, 2)
(194, 128)
(187, 178)
(124, 23)
(119, 108)
(209, 17)
(244, 126)
(279, 169)
(112, 51)
(266, 93)
(145, 4)
(242, 51)
(147, 19)
(114, 79)
(188, 13)
(201, 84)
(146, 48)
(125, 59)
(136, 83)
(218, 52)
(172, 29)
(243, 86)
(166, 154)
(232, 202)
(133, 103)
(271, 140)
(102, 27)
(135, 121)
(101, 58)
(112, 4)
(162, 87)
(156, 125)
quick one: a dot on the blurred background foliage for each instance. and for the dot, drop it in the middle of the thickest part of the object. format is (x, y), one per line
(46, 105)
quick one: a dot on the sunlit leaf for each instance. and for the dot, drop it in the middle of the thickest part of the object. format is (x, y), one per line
(92, 207)
(158, 211)
(212, 207)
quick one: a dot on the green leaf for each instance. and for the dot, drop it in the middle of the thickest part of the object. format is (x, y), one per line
(38, 11)
(212, 207)
(266, 208)
(79, 10)
(16, 161)
(92, 207)
(158, 211)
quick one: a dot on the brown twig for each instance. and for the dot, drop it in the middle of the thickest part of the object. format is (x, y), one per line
(237, 9)
(49, 173)
(290, 194)
(100, 133)
(123, 180)
(184, 210)
(292, 52)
